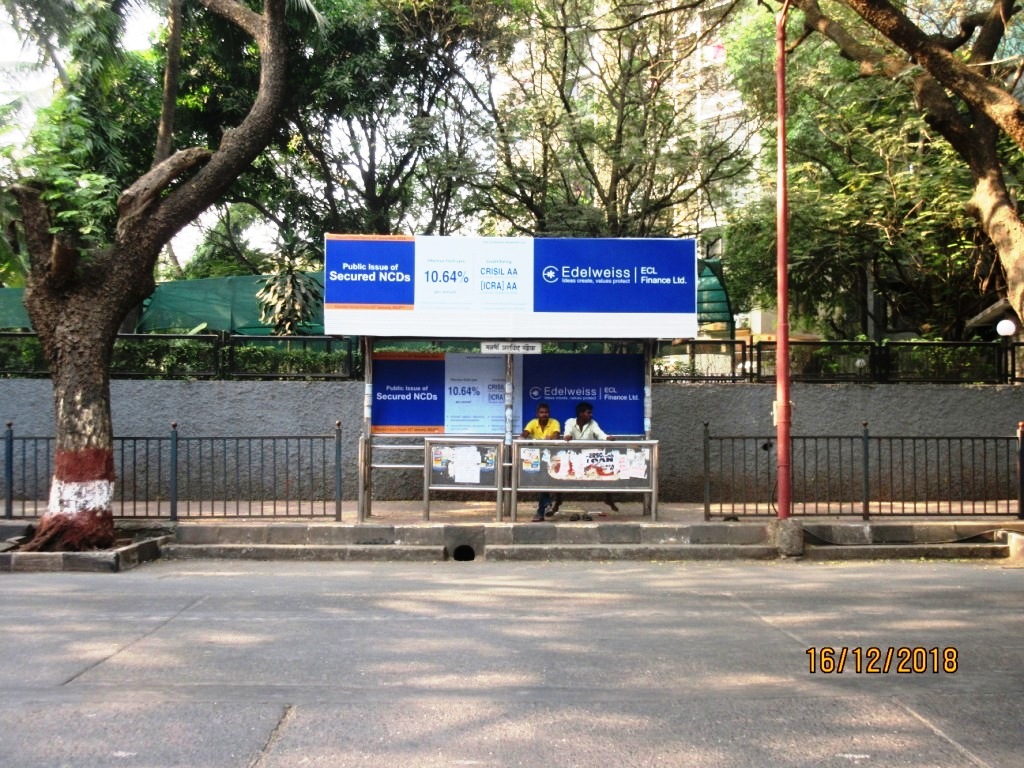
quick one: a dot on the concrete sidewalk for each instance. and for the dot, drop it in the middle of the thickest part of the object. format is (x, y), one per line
(217, 664)
(403, 531)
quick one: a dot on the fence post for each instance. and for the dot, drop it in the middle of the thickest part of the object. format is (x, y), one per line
(218, 355)
(707, 472)
(337, 471)
(173, 480)
(9, 471)
(866, 481)
(879, 359)
(1020, 470)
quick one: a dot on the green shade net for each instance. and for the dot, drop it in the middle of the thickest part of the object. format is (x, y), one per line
(218, 303)
(13, 316)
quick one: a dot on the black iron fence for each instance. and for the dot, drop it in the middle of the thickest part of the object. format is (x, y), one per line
(213, 356)
(177, 476)
(301, 476)
(941, 362)
(864, 475)
(201, 356)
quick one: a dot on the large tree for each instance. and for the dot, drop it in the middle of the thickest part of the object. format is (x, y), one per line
(599, 124)
(879, 239)
(372, 136)
(83, 282)
(964, 73)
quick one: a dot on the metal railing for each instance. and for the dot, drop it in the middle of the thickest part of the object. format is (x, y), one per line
(891, 362)
(864, 475)
(212, 356)
(301, 475)
(200, 356)
(704, 360)
(193, 477)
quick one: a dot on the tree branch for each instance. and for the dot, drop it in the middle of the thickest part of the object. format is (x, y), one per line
(965, 81)
(240, 16)
(36, 224)
(134, 201)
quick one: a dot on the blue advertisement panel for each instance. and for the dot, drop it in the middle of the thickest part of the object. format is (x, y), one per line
(408, 393)
(517, 287)
(451, 394)
(615, 276)
(463, 394)
(613, 384)
(369, 273)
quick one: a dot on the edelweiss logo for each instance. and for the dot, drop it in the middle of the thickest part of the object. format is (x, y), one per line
(535, 393)
(550, 275)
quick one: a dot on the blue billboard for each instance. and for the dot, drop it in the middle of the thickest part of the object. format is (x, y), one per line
(618, 276)
(369, 273)
(613, 384)
(510, 288)
(408, 393)
(464, 394)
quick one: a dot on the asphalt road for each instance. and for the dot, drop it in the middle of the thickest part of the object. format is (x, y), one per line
(283, 664)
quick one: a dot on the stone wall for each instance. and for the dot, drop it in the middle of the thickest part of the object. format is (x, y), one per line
(261, 408)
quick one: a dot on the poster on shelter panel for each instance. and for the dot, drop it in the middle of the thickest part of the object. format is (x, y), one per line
(464, 394)
(438, 393)
(491, 287)
(612, 384)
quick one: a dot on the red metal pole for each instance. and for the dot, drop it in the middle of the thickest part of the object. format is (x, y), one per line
(1020, 468)
(783, 415)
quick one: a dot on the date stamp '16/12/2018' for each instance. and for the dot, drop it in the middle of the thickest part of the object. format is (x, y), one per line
(876, 660)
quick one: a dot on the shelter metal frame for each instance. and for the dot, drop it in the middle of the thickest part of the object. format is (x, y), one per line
(366, 447)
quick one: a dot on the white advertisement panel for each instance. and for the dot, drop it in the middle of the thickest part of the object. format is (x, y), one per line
(474, 391)
(480, 287)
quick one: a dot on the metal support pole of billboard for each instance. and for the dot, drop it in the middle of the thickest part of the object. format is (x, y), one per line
(506, 472)
(649, 502)
(365, 452)
(783, 405)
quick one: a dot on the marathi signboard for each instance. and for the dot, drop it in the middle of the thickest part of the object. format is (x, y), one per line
(490, 287)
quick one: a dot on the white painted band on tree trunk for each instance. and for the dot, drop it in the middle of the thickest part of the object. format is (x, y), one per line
(70, 498)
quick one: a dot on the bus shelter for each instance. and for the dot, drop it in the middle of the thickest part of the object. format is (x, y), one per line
(559, 321)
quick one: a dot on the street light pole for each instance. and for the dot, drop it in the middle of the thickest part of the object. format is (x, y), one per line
(783, 407)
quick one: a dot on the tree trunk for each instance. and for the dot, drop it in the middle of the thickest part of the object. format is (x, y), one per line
(77, 300)
(993, 207)
(79, 515)
(76, 306)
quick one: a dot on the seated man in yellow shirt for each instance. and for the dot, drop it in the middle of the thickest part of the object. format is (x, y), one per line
(543, 427)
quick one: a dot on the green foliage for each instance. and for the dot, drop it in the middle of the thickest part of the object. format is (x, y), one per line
(595, 128)
(875, 201)
(370, 140)
(13, 257)
(289, 297)
(95, 137)
(219, 77)
(225, 249)
(936, 361)
(176, 357)
(291, 361)
(164, 358)
(21, 356)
